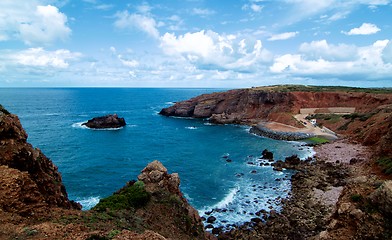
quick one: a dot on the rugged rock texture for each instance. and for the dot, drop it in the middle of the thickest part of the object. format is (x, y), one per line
(270, 103)
(382, 198)
(168, 212)
(30, 181)
(108, 121)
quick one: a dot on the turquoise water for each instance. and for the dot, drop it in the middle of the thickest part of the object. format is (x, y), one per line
(96, 163)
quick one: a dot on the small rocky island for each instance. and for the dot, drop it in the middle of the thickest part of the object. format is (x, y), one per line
(108, 121)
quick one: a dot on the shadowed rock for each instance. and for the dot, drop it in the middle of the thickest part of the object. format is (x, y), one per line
(108, 121)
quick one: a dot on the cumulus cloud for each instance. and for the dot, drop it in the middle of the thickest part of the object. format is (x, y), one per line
(364, 29)
(322, 49)
(38, 57)
(387, 53)
(282, 36)
(209, 50)
(367, 62)
(125, 20)
(32, 23)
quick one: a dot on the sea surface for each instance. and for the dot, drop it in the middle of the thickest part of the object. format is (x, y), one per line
(219, 165)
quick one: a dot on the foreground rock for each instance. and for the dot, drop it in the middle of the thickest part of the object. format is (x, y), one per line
(108, 121)
(30, 182)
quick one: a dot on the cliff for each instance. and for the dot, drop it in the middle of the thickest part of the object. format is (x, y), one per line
(34, 202)
(280, 103)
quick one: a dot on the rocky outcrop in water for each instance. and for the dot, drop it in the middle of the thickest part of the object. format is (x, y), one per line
(108, 121)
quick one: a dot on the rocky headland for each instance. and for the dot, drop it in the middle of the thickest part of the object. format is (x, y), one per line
(108, 121)
(343, 192)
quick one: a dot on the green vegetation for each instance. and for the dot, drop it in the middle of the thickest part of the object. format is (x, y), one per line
(386, 165)
(113, 233)
(361, 116)
(316, 140)
(130, 197)
(303, 88)
(356, 197)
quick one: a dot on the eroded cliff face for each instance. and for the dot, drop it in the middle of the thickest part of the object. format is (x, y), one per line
(30, 181)
(247, 106)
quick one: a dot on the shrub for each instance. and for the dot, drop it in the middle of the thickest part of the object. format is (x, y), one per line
(131, 196)
(386, 165)
(356, 197)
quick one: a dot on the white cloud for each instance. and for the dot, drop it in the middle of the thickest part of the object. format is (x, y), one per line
(364, 29)
(32, 23)
(209, 50)
(387, 53)
(129, 63)
(104, 7)
(38, 57)
(366, 63)
(336, 9)
(144, 23)
(322, 49)
(256, 8)
(204, 12)
(282, 36)
(253, 6)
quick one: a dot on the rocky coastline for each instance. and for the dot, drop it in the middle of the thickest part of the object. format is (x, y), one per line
(334, 196)
(279, 135)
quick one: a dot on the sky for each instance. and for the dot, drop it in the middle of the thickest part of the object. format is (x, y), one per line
(195, 43)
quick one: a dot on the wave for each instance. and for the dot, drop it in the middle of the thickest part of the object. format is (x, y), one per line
(88, 203)
(191, 128)
(228, 199)
(80, 125)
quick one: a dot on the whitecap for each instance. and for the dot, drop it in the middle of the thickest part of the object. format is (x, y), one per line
(88, 203)
(228, 199)
(191, 128)
(80, 125)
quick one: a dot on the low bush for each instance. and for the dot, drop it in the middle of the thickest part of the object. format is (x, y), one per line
(131, 196)
(386, 165)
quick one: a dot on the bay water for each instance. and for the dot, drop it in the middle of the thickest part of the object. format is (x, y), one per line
(218, 165)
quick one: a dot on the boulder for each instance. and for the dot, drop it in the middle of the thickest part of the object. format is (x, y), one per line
(267, 154)
(108, 121)
(382, 198)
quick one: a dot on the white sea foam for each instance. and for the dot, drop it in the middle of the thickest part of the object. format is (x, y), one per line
(191, 128)
(228, 199)
(80, 125)
(88, 203)
(169, 103)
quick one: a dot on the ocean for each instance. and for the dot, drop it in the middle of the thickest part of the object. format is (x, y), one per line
(218, 165)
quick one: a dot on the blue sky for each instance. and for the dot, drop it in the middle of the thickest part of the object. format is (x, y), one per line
(195, 43)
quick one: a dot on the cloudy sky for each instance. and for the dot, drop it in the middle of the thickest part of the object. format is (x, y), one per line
(195, 43)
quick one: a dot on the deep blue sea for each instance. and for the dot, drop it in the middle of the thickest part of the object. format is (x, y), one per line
(96, 163)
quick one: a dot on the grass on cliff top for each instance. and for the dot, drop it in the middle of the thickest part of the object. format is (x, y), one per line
(386, 165)
(304, 88)
(130, 197)
(316, 140)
